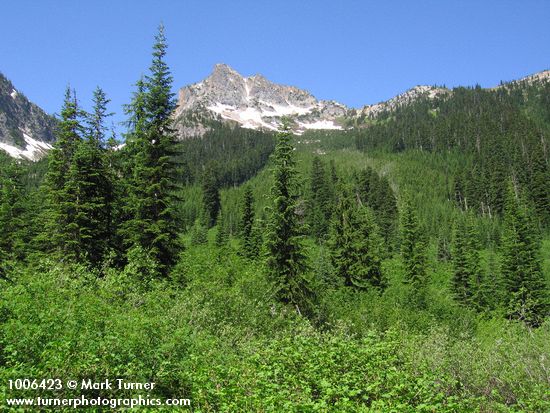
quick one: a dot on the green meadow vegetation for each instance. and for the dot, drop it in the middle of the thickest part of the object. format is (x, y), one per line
(401, 266)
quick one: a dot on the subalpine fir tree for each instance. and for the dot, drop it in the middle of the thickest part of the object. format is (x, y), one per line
(525, 287)
(460, 282)
(413, 251)
(151, 220)
(497, 181)
(479, 284)
(222, 236)
(90, 185)
(385, 208)
(61, 233)
(340, 236)
(368, 182)
(136, 123)
(286, 259)
(320, 200)
(210, 196)
(250, 243)
(376, 193)
(356, 246)
(128, 162)
(13, 228)
(199, 233)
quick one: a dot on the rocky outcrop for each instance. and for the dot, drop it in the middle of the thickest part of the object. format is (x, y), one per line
(411, 95)
(26, 131)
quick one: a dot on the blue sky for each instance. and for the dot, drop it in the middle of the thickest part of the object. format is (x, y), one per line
(355, 52)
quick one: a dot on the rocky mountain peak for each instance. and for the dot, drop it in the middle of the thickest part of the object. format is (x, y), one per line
(255, 102)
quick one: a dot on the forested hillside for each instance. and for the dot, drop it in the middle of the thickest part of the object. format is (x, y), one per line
(399, 266)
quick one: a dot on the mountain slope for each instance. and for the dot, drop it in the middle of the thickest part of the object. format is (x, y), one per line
(253, 102)
(423, 92)
(26, 131)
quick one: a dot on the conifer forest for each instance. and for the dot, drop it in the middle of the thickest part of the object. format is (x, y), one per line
(401, 264)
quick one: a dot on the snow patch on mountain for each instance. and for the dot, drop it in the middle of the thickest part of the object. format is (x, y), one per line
(321, 124)
(33, 151)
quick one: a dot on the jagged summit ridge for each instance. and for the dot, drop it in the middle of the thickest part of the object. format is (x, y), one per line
(257, 103)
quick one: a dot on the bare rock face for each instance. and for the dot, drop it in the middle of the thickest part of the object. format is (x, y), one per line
(26, 131)
(256, 103)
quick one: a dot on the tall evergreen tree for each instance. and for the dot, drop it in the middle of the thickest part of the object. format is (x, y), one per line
(210, 195)
(79, 184)
(61, 233)
(341, 236)
(151, 220)
(13, 228)
(525, 286)
(356, 247)
(250, 244)
(90, 185)
(319, 199)
(386, 211)
(413, 250)
(286, 260)
(199, 233)
(222, 236)
(479, 284)
(376, 192)
(460, 282)
(469, 284)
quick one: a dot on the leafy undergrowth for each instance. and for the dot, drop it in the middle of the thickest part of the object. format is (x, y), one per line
(212, 334)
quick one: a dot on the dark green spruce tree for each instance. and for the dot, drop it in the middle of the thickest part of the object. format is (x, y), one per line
(385, 209)
(320, 200)
(460, 282)
(61, 233)
(250, 243)
(340, 237)
(526, 296)
(210, 195)
(13, 209)
(152, 172)
(413, 251)
(286, 258)
(90, 185)
(481, 288)
(199, 233)
(356, 246)
(376, 193)
(469, 285)
(222, 235)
